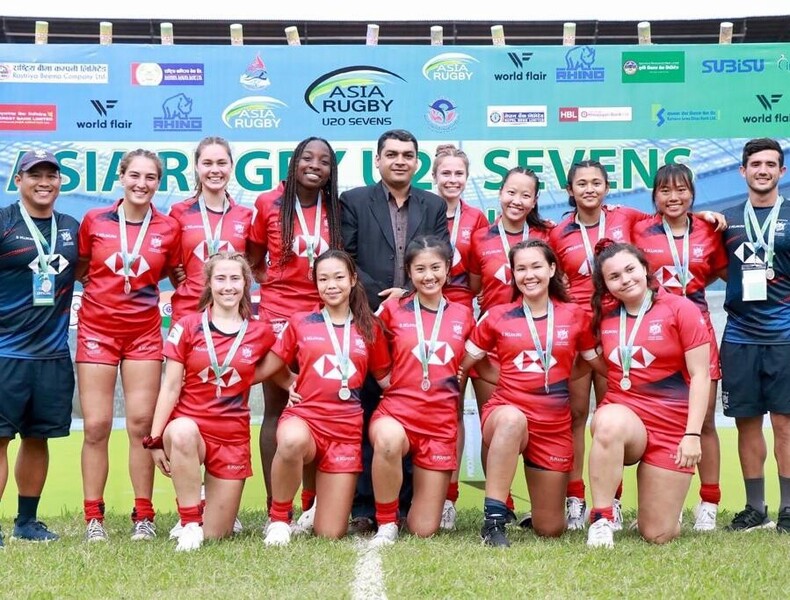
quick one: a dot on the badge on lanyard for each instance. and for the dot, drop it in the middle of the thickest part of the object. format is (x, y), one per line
(754, 282)
(43, 280)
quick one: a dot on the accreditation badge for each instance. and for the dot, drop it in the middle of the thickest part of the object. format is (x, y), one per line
(43, 290)
(754, 282)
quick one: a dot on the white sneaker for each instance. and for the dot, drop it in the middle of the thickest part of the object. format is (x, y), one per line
(617, 513)
(385, 536)
(304, 523)
(449, 515)
(191, 538)
(705, 515)
(601, 534)
(143, 531)
(237, 526)
(96, 532)
(176, 530)
(575, 513)
(278, 533)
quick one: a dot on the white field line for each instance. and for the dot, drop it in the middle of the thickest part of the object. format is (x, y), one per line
(368, 583)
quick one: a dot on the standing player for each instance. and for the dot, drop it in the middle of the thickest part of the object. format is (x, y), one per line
(537, 338)
(202, 415)
(685, 254)
(335, 348)
(426, 334)
(450, 173)
(125, 250)
(657, 363)
(38, 256)
(755, 349)
(293, 225)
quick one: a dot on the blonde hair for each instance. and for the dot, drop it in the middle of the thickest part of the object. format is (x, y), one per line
(445, 151)
(206, 298)
(132, 154)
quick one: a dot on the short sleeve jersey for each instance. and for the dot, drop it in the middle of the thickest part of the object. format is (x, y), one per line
(305, 338)
(27, 331)
(457, 287)
(706, 256)
(194, 251)
(566, 239)
(105, 305)
(488, 259)
(521, 372)
(227, 413)
(760, 322)
(435, 412)
(659, 378)
(286, 288)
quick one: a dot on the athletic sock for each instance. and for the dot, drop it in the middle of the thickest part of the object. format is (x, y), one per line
(308, 497)
(784, 492)
(387, 512)
(509, 502)
(755, 493)
(190, 514)
(601, 513)
(711, 492)
(618, 493)
(452, 492)
(143, 510)
(494, 509)
(94, 509)
(28, 509)
(575, 489)
(281, 511)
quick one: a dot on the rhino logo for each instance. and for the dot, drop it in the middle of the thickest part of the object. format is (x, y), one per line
(579, 62)
(580, 57)
(177, 107)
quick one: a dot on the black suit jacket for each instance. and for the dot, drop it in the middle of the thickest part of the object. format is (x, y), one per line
(368, 236)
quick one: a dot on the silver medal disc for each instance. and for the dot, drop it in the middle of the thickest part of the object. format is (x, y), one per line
(625, 384)
(770, 273)
(344, 393)
(426, 385)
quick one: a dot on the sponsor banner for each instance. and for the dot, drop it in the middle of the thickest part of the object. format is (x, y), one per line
(654, 67)
(28, 117)
(58, 73)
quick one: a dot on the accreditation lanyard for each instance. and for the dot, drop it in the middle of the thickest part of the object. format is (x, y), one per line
(213, 240)
(312, 240)
(681, 268)
(627, 349)
(543, 355)
(427, 353)
(128, 259)
(219, 370)
(503, 236)
(342, 353)
(456, 225)
(44, 250)
(756, 233)
(588, 247)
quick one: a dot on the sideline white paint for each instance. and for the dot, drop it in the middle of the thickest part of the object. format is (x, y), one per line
(368, 581)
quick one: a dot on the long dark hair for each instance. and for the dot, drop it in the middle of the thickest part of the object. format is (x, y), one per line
(431, 243)
(557, 288)
(533, 217)
(673, 175)
(583, 164)
(604, 250)
(289, 200)
(206, 299)
(366, 323)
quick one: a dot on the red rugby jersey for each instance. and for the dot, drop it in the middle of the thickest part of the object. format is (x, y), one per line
(457, 287)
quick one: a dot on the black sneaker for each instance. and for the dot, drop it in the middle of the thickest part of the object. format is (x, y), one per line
(750, 519)
(33, 531)
(493, 533)
(525, 522)
(361, 526)
(783, 522)
(510, 517)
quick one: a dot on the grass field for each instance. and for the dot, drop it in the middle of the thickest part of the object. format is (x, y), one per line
(450, 565)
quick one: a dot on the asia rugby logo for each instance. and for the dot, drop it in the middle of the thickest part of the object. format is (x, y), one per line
(449, 66)
(254, 112)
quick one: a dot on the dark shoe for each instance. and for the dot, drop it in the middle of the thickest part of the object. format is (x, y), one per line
(493, 533)
(510, 517)
(361, 526)
(783, 522)
(750, 519)
(33, 531)
(525, 522)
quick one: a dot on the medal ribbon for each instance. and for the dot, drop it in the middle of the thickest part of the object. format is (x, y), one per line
(588, 249)
(41, 243)
(681, 268)
(219, 371)
(127, 258)
(627, 349)
(543, 355)
(214, 239)
(341, 353)
(757, 237)
(312, 240)
(425, 355)
(456, 224)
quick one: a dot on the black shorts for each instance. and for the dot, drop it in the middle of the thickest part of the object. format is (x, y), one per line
(755, 379)
(36, 397)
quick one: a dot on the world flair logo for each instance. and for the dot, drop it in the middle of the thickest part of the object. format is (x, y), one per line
(450, 66)
(253, 112)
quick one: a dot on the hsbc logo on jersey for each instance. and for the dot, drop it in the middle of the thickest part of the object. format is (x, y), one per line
(503, 274)
(55, 264)
(228, 378)
(668, 277)
(442, 353)
(139, 265)
(456, 257)
(303, 242)
(641, 359)
(528, 361)
(747, 254)
(328, 367)
(203, 252)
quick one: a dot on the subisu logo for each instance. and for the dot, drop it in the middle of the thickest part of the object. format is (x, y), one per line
(450, 66)
(356, 95)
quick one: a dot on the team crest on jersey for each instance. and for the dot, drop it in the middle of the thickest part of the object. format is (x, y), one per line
(503, 274)
(780, 226)
(246, 351)
(528, 361)
(55, 264)
(238, 227)
(229, 378)
(655, 330)
(66, 236)
(747, 254)
(156, 241)
(641, 359)
(466, 234)
(562, 334)
(115, 263)
(328, 367)
(301, 243)
(278, 327)
(442, 353)
(458, 328)
(359, 344)
(617, 234)
(201, 251)
(667, 276)
(698, 251)
(175, 334)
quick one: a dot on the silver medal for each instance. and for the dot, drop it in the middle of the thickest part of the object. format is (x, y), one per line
(344, 393)
(770, 273)
(425, 385)
(625, 384)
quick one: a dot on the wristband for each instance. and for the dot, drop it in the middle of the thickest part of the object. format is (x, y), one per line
(692, 434)
(153, 443)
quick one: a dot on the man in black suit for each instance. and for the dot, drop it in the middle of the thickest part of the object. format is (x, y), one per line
(378, 222)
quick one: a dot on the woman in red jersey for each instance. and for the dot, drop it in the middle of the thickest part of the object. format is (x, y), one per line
(656, 358)
(125, 250)
(685, 254)
(335, 347)
(537, 338)
(202, 416)
(426, 334)
(450, 172)
(292, 226)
